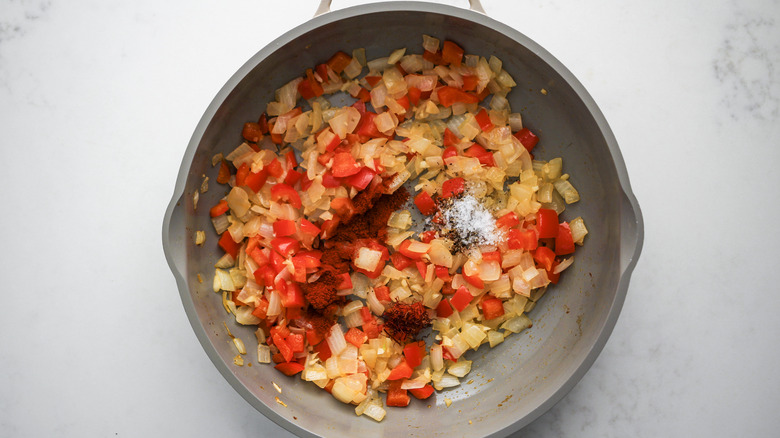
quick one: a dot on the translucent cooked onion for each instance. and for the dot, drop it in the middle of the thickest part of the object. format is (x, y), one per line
(565, 263)
(376, 307)
(263, 353)
(578, 230)
(336, 340)
(437, 358)
(489, 270)
(430, 44)
(344, 121)
(367, 259)
(460, 368)
(238, 201)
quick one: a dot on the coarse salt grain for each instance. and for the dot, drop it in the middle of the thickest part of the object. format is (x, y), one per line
(468, 218)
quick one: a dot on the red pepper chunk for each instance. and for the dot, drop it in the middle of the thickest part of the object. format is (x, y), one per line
(461, 299)
(451, 53)
(522, 239)
(256, 180)
(422, 393)
(545, 257)
(451, 95)
(401, 371)
(284, 192)
(508, 220)
(444, 309)
(219, 209)
(284, 227)
(564, 242)
(547, 223)
(425, 203)
(362, 179)
(396, 396)
(344, 165)
(414, 353)
(450, 139)
(289, 368)
(227, 243)
(451, 187)
(492, 308)
(339, 61)
(483, 119)
(286, 246)
(355, 336)
(527, 138)
(283, 346)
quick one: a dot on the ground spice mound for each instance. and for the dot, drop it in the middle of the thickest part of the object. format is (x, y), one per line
(321, 293)
(371, 223)
(404, 321)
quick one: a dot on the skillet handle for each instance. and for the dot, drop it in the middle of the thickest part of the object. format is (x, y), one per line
(474, 5)
(174, 237)
(632, 232)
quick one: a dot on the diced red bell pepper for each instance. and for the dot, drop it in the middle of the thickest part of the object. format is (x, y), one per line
(329, 181)
(241, 173)
(553, 277)
(256, 180)
(449, 151)
(422, 268)
(346, 281)
(544, 257)
(461, 299)
(427, 236)
(344, 165)
(522, 239)
(310, 88)
(492, 256)
(284, 227)
(355, 336)
(328, 227)
(425, 203)
(527, 138)
(414, 94)
(234, 298)
(259, 256)
(309, 228)
(283, 346)
(339, 61)
(442, 272)
(372, 329)
(224, 172)
(547, 223)
(400, 261)
(323, 351)
(483, 119)
(404, 249)
(396, 396)
(492, 308)
(275, 168)
(362, 179)
(265, 275)
(284, 192)
(508, 220)
(404, 102)
(252, 132)
(422, 393)
(453, 187)
(484, 156)
(289, 368)
(451, 53)
(295, 341)
(366, 126)
(227, 243)
(261, 309)
(474, 280)
(444, 309)
(401, 371)
(564, 242)
(219, 209)
(277, 261)
(450, 139)
(414, 353)
(365, 314)
(286, 246)
(451, 95)
(382, 293)
(293, 176)
(470, 82)
(293, 298)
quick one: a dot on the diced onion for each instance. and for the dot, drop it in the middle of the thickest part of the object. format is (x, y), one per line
(375, 412)
(560, 267)
(578, 230)
(335, 339)
(274, 304)
(517, 324)
(263, 353)
(239, 345)
(437, 359)
(460, 368)
(373, 303)
(447, 381)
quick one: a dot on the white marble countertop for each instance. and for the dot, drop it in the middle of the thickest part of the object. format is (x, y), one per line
(98, 101)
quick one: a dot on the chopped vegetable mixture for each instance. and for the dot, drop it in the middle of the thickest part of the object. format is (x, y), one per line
(322, 253)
